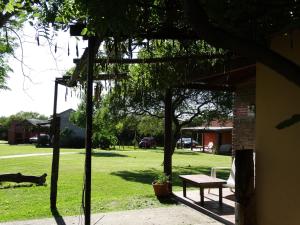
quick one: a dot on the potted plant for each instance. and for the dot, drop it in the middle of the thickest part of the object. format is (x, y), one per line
(161, 185)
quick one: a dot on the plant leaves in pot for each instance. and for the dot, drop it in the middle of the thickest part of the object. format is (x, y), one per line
(161, 185)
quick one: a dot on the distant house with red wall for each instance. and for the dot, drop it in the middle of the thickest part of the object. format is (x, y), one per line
(216, 132)
(19, 132)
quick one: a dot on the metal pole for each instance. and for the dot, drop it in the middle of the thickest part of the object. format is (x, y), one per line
(55, 159)
(89, 127)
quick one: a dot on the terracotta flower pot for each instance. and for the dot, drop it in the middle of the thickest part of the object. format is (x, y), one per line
(161, 190)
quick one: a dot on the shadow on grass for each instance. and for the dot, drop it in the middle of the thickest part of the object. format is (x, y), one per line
(187, 152)
(58, 218)
(147, 176)
(8, 186)
(106, 154)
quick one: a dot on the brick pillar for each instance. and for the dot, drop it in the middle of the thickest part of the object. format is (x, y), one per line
(243, 133)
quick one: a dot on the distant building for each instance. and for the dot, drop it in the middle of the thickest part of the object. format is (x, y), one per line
(71, 135)
(19, 132)
(215, 134)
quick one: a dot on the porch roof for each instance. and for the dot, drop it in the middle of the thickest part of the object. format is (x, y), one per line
(216, 129)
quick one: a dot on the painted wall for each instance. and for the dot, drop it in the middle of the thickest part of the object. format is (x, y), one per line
(210, 137)
(278, 151)
(226, 138)
(66, 124)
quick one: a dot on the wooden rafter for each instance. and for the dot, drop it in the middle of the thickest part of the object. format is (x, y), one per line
(156, 60)
(218, 37)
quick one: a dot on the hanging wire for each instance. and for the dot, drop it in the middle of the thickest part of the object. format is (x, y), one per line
(130, 48)
(66, 94)
(37, 38)
(77, 51)
(68, 48)
(97, 91)
(6, 37)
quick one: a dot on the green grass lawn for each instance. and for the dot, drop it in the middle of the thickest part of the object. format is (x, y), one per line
(121, 179)
(6, 149)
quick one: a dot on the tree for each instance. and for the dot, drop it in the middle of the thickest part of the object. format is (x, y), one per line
(150, 126)
(6, 121)
(240, 27)
(144, 90)
(42, 14)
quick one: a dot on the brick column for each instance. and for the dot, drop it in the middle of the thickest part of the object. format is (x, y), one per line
(243, 133)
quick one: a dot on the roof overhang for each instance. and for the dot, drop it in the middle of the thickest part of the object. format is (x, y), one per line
(207, 129)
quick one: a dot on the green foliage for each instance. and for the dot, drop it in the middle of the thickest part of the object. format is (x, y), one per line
(6, 121)
(150, 126)
(143, 92)
(66, 133)
(162, 179)
(128, 18)
(6, 48)
(104, 140)
(78, 117)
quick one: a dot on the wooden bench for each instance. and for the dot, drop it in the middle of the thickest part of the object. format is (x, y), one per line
(202, 181)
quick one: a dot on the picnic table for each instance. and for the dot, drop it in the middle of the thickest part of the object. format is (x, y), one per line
(202, 181)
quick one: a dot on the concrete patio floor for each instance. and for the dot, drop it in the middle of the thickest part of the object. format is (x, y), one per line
(174, 215)
(224, 213)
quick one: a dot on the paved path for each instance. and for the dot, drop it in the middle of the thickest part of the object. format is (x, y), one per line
(33, 154)
(175, 215)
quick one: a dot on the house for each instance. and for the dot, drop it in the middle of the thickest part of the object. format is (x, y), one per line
(19, 132)
(71, 135)
(216, 132)
(277, 150)
(261, 104)
(263, 101)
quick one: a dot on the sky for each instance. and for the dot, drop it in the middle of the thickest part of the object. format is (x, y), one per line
(33, 89)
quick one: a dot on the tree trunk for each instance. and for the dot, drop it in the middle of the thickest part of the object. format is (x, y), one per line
(18, 178)
(168, 134)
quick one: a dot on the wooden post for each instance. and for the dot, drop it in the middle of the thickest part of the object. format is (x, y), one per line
(244, 188)
(192, 141)
(89, 127)
(55, 159)
(168, 136)
(218, 142)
